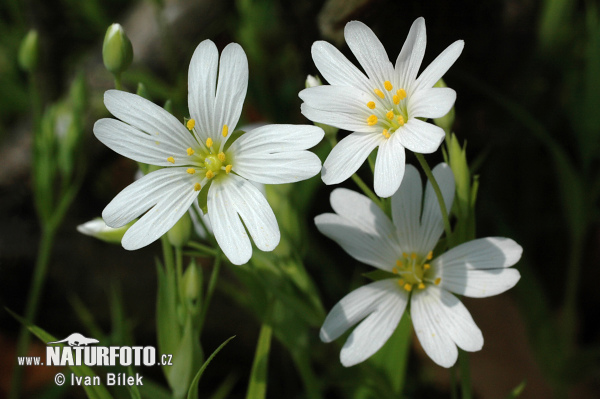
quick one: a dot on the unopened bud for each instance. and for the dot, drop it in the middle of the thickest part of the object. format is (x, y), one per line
(446, 121)
(29, 51)
(117, 51)
(192, 282)
(98, 229)
(180, 233)
(312, 81)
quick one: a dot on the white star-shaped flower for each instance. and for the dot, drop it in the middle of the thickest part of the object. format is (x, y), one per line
(478, 268)
(383, 109)
(199, 157)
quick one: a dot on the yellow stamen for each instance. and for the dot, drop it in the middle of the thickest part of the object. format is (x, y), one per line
(225, 131)
(221, 156)
(371, 104)
(426, 266)
(395, 270)
(390, 115)
(379, 93)
(388, 85)
(191, 171)
(396, 99)
(400, 120)
(401, 94)
(210, 174)
(408, 287)
(421, 286)
(399, 263)
(386, 134)
(430, 255)
(209, 142)
(171, 159)
(228, 169)
(437, 281)
(401, 283)
(197, 187)
(413, 255)
(190, 124)
(404, 255)
(371, 120)
(190, 151)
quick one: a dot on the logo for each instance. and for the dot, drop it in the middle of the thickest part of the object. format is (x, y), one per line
(76, 339)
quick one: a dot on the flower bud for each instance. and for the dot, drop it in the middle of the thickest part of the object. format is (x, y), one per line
(446, 121)
(142, 91)
(180, 233)
(98, 229)
(29, 51)
(192, 283)
(117, 51)
(312, 81)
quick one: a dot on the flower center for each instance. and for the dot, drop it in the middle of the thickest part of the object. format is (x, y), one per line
(413, 270)
(389, 111)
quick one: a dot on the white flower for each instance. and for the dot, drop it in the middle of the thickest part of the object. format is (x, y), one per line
(384, 109)
(203, 159)
(477, 268)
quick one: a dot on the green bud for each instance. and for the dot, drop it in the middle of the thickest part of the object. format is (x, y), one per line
(179, 234)
(192, 283)
(98, 229)
(446, 121)
(312, 81)
(142, 91)
(29, 51)
(168, 106)
(117, 51)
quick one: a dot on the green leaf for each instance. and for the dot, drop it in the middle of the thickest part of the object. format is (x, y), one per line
(515, 393)
(257, 387)
(193, 391)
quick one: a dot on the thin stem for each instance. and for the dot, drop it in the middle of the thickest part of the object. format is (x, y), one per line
(179, 268)
(453, 393)
(438, 193)
(368, 192)
(257, 387)
(465, 374)
(212, 283)
(37, 284)
(203, 248)
(118, 84)
(167, 253)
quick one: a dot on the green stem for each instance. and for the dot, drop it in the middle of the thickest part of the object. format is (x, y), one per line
(368, 192)
(438, 193)
(257, 387)
(179, 269)
(465, 374)
(118, 84)
(203, 248)
(453, 393)
(37, 284)
(167, 253)
(212, 283)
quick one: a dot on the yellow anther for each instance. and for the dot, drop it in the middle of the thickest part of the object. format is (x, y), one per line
(408, 287)
(390, 115)
(228, 169)
(388, 85)
(379, 93)
(426, 266)
(413, 255)
(429, 255)
(221, 156)
(437, 281)
(197, 187)
(225, 131)
(396, 99)
(371, 120)
(395, 270)
(171, 159)
(191, 171)
(386, 134)
(399, 263)
(400, 120)
(209, 142)
(190, 124)
(404, 255)
(371, 104)
(421, 286)
(210, 174)
(401, 94)
(190, 151)
(401, 283)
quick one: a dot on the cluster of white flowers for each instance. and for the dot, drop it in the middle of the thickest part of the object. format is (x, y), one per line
(386, 108)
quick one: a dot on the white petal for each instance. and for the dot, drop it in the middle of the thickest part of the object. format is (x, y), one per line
(144, 193)
(432, 103)
(273, 154)
(421, 137)
(340, 99)
(483, 253)
(364, 245)
(231, 89)
(336, 68)
(369, 51)
(145, 115)
(169, 206)
(439, 66)
(427, 316)
(347, 121)
(233, 196)
(406, 209)
(432, 224)
(141, 147)
(410, 57)
(348, 155)
(479, 283)
(361, 211)
(389, 167)
(202, 83)
(451, 318)
(374, 331)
